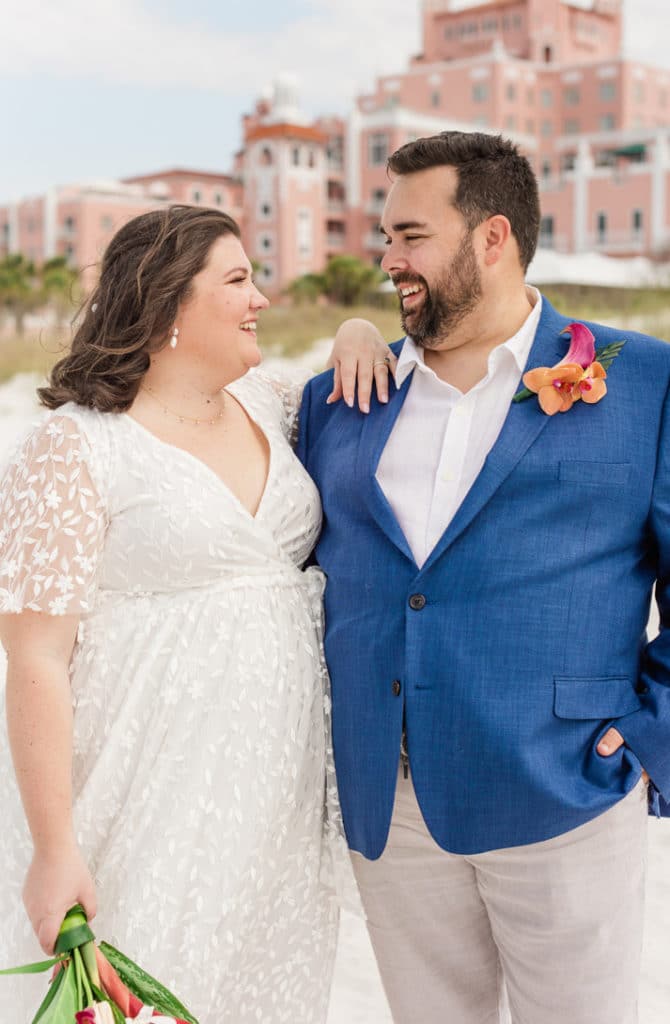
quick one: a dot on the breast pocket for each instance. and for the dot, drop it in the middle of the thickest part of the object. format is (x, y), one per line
(597, 697)
(594, 474)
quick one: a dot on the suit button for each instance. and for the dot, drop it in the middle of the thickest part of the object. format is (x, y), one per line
(396, 686)
(641, 689)
(417, 602)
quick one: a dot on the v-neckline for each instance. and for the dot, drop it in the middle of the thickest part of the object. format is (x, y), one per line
(207, 469)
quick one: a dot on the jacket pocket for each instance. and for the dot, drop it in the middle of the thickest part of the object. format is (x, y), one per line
(595, 474)
(597, 697)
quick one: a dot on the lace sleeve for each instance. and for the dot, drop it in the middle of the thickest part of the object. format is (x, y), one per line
(289, 392)
(52, 523)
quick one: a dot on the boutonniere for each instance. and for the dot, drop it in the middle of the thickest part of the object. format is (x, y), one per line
(580, 375)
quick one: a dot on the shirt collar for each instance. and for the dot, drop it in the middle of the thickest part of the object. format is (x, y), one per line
(519, 345)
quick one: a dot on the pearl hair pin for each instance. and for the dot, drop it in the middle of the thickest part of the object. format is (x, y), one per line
(173, 339)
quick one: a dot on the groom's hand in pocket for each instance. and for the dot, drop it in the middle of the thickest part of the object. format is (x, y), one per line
(610, 743)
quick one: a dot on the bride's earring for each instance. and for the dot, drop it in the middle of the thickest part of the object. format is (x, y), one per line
(173, 339)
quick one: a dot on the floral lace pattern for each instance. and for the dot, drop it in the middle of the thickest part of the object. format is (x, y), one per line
(53, 524)
(199, 709)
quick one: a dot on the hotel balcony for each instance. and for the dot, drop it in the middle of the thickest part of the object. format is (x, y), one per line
(374, 242)
(336, 207)
(555, 243)
(335, 241)
(618, 242)
(375, 207)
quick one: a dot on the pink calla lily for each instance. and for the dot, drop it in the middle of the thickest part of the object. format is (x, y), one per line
(582, 345)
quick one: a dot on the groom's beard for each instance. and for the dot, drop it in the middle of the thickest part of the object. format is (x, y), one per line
(448, 303)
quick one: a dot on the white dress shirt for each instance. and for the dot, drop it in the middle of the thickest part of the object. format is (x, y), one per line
(441, 437)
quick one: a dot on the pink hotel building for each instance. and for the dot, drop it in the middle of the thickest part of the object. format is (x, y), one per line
(548, 73)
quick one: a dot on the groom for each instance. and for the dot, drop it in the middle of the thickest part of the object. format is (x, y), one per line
(490, 563)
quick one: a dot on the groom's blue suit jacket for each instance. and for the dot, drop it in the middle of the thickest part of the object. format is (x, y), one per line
(531, 639)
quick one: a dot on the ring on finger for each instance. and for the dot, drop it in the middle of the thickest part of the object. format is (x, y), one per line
(382, 362)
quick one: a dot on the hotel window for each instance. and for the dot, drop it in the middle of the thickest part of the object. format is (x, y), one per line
(266, 156)
(605, 158)
(378, 149)
(435, 99)
(546, 129)
(196, 195)
(601, 227)
(69, 224)
(547, 98)
(607, 123)
(546, 168)
(571, 126)
(639, 92)
(607, 91)
(530, 126)
(480, 92)
(295, 156)
(638, 222)
(530, 97)
(218, 199)
(571, 96)
(568, 161)
(546, 239)
(266, 210)
(304, 232)
(266, 242)
(510, 123)
(510, 91)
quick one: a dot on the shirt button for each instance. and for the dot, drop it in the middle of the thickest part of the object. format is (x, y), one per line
(396, 686)
(417, 602)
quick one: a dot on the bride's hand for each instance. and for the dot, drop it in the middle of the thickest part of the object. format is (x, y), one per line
(55, 882)
(359, 356)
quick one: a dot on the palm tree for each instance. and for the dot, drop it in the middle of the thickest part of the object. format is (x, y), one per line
(25, 288)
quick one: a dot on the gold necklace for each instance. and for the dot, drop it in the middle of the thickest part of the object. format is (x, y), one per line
(183, 419)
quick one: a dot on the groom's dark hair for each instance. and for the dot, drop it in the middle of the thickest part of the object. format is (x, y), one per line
(493, 178)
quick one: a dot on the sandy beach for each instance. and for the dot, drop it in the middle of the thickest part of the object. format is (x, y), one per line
(357, 994)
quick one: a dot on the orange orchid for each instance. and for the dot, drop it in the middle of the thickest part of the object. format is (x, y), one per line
(578, 376)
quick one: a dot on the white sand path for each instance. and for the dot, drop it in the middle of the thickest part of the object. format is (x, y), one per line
(357, 996)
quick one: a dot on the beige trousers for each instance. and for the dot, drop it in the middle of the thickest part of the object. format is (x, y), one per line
(553, 927)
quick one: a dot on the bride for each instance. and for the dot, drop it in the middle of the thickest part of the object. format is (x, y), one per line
(165, 688)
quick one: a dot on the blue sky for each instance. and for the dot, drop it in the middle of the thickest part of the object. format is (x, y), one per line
(129, 86)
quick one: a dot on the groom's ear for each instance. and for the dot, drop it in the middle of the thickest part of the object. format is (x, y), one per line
(496, 237)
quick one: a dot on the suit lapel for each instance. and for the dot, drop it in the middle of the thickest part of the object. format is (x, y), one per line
(525, 421)
(375, 432)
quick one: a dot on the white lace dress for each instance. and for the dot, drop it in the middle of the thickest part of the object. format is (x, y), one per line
(198, 689)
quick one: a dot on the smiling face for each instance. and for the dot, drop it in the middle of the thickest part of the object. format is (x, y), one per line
(217, 321)
(430, 255)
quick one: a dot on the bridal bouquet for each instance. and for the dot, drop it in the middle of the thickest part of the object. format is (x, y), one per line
(96, 984)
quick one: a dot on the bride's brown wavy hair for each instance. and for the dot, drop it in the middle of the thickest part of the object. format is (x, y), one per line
(147, 271)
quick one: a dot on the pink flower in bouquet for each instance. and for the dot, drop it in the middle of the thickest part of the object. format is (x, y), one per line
(97, 1013)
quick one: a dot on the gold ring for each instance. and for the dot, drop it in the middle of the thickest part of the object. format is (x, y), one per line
(382, 362)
